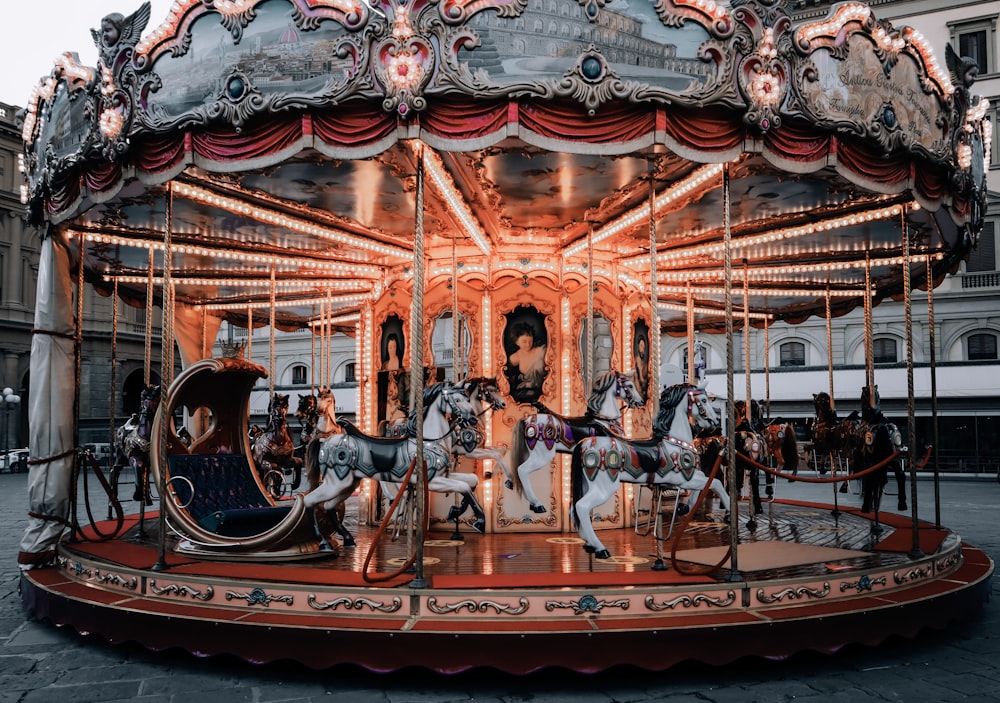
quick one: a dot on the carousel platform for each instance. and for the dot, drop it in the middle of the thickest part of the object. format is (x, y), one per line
(806, 579)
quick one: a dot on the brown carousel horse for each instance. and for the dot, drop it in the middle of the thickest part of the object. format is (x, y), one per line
(833, 439)
(273, 450)
(749, 438)
(132, 444)
(779, 436)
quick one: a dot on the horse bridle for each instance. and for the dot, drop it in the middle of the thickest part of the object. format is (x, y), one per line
(624, 390)
(697, 398)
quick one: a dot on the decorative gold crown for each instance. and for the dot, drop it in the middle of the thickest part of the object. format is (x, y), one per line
(232, 350)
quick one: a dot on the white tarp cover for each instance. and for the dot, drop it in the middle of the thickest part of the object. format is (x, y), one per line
(50, 405)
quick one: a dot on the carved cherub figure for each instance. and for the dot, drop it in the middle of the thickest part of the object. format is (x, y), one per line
(964, 72)
(118, 30)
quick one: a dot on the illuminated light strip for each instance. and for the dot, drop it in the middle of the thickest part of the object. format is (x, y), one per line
(344, 319)
(697, 179)
(294, 224)
(456, 203)
(358, 270)
(676, 307)
(446, 270)
(778, 235)
(784, 292)
(176, 280)
(711, 8)
(769, 271)
(343, 300)
(567, 387)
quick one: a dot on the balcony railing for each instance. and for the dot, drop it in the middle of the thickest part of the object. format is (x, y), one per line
(983, 279)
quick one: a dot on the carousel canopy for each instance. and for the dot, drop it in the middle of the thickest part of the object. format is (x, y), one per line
(281, 143)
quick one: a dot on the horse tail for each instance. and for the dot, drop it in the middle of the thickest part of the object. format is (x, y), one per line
(312, 463)
(518, 454)
(790, 450)
(576, 483)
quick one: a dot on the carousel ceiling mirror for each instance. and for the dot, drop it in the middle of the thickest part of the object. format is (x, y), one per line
(453, 362)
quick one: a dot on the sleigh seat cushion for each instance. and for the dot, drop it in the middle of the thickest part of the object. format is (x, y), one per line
(223, 496)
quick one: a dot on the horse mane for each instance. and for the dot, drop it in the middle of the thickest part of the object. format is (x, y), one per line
(431, 394)
(602, 382)
(670, 398)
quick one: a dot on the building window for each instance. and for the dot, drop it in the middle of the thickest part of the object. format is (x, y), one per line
(983, 257)
(884, 351)
(299, 375)
(792, 354)
(976, 38)
(350, 373)
(982, 347)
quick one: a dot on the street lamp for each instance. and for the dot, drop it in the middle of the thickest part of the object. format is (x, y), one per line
(8, 401)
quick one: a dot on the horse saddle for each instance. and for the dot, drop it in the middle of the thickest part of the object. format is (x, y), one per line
(384, 450)
(647, 456)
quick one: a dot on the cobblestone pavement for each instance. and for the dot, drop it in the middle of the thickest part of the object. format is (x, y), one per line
(40, 663)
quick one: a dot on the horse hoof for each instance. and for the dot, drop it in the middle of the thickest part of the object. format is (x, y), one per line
(538, 509)
(589, 549)
(455, 513)
(683, 509)
(602, 554)
(902, 505)
(479, 526)
(866, 508)
(843, 488)
(509, 484)
(349, 542)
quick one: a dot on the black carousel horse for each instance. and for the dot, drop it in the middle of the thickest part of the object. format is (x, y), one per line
(273, 449)
(783, 447)
(132, 444)
(880, 439)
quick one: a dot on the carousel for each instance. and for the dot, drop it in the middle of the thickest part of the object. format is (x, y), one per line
(505, 204)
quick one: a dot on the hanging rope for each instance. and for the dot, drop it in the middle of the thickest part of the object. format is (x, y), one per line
(730, 385)
(270, 358)
(746, 336)
(148, 363)
(910, 409)
(692, 371)
(869, 361)
(654, 315)
(112, 410)
(589, 380)
(417, 367)
(312, 359)
(456, 321)
(767, 370)
(166, 367)
(932, 344)
(829, 345)
(249, 333)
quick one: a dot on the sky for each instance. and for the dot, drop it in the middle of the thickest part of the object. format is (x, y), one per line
(44, 30)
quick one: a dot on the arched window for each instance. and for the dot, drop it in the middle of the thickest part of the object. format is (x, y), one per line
(982, 347)
(350, 375)
(300, 375)
(792, 354)
(885, 351)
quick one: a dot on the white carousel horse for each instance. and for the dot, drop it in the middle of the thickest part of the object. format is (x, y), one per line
(600, 464)
(273, 449)
(470, 441)
(537, 438)
(132, 444)
(345, 459)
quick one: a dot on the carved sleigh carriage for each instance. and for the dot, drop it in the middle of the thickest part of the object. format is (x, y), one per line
(215, 501)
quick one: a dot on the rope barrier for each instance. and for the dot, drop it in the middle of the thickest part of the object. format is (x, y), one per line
(380, 532)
